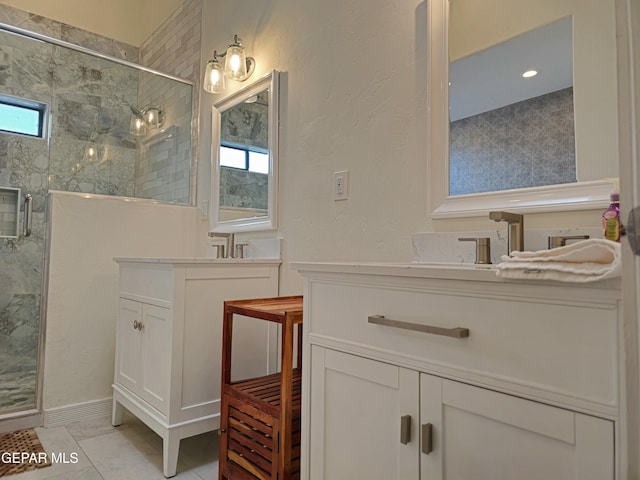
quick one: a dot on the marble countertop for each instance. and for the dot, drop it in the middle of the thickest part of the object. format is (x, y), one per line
(434, 270)
(196, 260)
(454, 271)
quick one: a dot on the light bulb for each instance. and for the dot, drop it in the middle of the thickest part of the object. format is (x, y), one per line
(90, 153)
(235, 62)
(153, 117)
(235, 66)
(214, 77)
(137, 126)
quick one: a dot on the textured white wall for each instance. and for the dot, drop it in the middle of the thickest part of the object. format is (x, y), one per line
(87, 232)
(355, 99)
(355, 88)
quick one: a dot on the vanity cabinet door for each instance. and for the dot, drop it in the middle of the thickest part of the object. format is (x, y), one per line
(143, 355)
(486, 435)
(356, 419)
(128, 344)
(155, 356)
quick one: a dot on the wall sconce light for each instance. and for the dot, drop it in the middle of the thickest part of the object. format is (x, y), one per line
(137, 126)
(237, 66)
(149, 117)
(90, 152)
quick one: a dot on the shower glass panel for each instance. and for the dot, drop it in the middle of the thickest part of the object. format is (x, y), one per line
(87, 147)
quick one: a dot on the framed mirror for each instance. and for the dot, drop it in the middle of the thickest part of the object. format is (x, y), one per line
(245, 158)
(501, 141)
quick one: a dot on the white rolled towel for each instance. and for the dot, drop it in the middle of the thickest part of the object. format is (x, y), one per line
(584, 261)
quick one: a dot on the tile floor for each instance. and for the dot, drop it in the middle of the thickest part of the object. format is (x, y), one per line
(130, 451)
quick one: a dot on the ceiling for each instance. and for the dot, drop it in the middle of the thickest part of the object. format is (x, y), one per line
(492, 78)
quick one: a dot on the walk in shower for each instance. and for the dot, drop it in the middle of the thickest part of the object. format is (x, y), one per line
(104, 127)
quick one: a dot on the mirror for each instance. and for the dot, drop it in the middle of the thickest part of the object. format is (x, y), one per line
(511, 111)
(566, 115)
(245, 158)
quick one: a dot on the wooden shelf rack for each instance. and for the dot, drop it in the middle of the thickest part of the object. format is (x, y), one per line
(260, 417)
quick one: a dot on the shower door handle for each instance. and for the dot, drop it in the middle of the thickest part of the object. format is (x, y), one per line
(28, 214)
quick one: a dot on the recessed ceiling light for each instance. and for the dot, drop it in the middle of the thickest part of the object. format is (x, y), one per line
(529, 74)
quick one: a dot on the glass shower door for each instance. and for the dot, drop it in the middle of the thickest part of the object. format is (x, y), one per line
(86, 102)
(25, 76)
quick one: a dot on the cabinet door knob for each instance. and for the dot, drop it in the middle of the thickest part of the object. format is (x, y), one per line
(135, 325)
(405, 429)
(427, 438)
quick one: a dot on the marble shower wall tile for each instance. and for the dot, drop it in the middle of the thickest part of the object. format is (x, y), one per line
(242, 189)
(175, 49)
(90, 98)
(526, 144)
(101, 44)
(26, 68)
(164, 157)
(68, 33)
(19, 322)
(19, 328)
(29, 21)
(246, 124)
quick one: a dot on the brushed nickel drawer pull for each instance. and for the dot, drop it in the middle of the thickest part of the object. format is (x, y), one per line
(427, 438)
(405, 429)
(456, 332)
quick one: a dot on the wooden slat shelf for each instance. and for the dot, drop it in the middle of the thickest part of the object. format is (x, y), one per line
(260, 417)
(264, 392)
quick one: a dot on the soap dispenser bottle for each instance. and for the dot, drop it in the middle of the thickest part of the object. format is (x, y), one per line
(611, 226)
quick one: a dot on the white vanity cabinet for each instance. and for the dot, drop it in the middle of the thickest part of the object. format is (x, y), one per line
(532, 393)
(169, 339)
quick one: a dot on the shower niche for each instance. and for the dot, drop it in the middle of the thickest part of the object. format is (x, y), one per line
(9, 212)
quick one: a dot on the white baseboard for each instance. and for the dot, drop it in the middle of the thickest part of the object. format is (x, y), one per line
(20, 421)
(77, 412)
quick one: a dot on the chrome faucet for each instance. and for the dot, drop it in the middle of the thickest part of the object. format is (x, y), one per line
(515, 230)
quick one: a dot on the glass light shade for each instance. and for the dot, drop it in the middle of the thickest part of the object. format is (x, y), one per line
(153, 117)
(137, 126)
(235, 65)
(91, 152)
(214, 77)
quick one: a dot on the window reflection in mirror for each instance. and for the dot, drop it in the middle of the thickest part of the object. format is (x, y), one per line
(556, 127)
